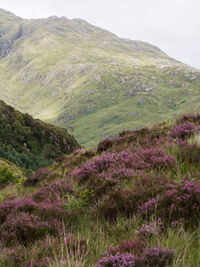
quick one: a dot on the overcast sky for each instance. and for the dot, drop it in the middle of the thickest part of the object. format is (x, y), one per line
(172, 25)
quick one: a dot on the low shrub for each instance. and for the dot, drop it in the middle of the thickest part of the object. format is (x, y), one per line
(135, 247)
(118, 260)
(43, 210)
(194, 118)
(25, 228)
(183, 131)
(151, 257)
(177, 202)
(126, 201)
(105, 145)
(125, 163)
(53, 192)
(38, 177)
(7, 176)
(150, 229)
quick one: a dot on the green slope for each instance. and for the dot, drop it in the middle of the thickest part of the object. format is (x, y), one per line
(76, 75)
(31, 143)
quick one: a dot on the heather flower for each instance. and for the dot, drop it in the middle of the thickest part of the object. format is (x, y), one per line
(158, 257)
(150, 257)
(195, 118)
(135, 247)
(124, 164)
(118, 260)
(150, 229)
(183, 131)
(148, 206)
(52, 192)
(182, 201)
(25, 228)
(37, 177)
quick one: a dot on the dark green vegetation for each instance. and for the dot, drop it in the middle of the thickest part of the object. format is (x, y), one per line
(76, 75)
(133, 201)
(30, 143)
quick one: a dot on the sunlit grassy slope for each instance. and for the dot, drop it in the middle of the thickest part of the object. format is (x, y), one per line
(79, 76)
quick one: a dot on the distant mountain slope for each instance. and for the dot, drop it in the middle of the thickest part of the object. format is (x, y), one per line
(31, 143)
(74, 74)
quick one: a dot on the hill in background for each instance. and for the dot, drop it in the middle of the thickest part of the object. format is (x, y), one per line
(76, 75)
(31, 143)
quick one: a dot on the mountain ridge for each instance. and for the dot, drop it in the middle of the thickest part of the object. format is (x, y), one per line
(79, 76)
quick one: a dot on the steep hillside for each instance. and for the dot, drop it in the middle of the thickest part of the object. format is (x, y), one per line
(31, 143)
(133, 201)
(12, 167)
(76, 75)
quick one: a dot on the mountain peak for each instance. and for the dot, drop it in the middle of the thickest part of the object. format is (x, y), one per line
(57, 19)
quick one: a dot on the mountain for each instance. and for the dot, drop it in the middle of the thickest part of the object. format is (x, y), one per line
(76, 75)
(31, 143)
(131, 201)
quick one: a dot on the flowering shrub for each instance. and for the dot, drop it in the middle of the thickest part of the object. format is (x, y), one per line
(145, 138)
(25, 228)
(178, 201)
(118, 260)
(195, 118)
(37, 177)
(151, 257)
(46, 210)
(34, 217)
(183, 131)
(52, 192)
(158, 257)
(135, 247)
(105, 145)
(125, 163)
(126, 201)
(150, 229)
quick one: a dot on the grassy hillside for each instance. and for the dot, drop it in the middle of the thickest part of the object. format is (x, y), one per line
(5, 163)
(31, 143)
(133, 201)
(79, 76)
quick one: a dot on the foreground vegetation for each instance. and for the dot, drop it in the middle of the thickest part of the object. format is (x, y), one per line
(133, 201)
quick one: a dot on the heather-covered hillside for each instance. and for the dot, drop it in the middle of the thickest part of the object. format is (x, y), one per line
(134, 201)
(31, 143)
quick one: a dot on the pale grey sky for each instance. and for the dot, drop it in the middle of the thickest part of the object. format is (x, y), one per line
(172, 25)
